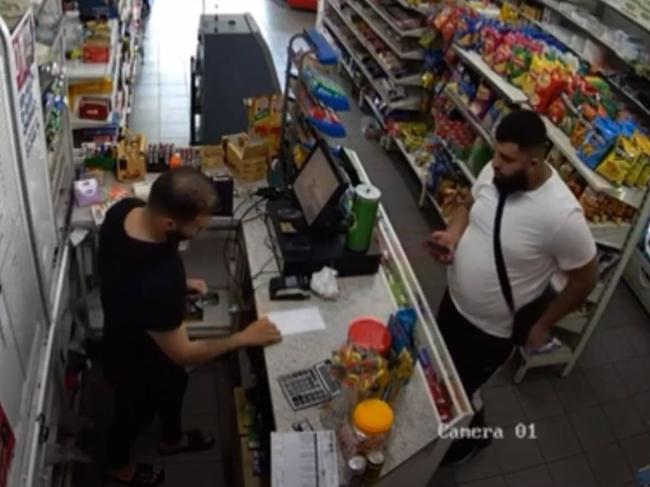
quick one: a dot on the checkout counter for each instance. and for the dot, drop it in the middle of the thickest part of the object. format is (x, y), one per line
(415, 447)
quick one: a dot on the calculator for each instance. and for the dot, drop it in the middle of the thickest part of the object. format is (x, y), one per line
(309, 387)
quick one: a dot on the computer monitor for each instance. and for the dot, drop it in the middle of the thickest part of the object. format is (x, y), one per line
(318, 188)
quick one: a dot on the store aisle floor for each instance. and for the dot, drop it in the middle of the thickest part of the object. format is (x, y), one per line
(592, 428)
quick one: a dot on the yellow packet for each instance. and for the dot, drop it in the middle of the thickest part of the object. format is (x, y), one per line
(620, 161)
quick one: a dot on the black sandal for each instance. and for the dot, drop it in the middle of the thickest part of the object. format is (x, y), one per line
(144, 475)
(197, 441)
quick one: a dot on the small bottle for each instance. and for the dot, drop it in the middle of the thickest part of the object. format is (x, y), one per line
(374, 464)
(355, 470)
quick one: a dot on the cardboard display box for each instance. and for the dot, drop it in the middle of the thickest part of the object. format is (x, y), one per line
(248, 158)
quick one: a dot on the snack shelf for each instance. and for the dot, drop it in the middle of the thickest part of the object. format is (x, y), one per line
(412, 80)
(418, 170)
(469, 115)
(611, 234)
(583, 29)
(512, 93)
(416, 55)
(460, 163)
(561, 356)
(628, 15)
(421, 10)
(378, 115)
(80, 71)
(574, 322)
(418, 32)
(629, 97)
(630, 196)
(411, 103)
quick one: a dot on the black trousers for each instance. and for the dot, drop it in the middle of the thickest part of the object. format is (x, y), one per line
(476, 354)
(139, 396)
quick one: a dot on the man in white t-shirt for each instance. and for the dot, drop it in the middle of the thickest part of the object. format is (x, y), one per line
(543, 232)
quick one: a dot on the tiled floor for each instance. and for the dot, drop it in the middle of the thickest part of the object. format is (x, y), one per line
(592, 428)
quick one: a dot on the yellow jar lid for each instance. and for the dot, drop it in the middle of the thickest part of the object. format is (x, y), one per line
(373, 417)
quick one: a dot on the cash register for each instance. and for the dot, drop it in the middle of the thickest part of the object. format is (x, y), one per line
(309, 226)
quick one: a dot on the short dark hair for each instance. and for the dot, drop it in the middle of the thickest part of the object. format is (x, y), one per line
(524, 128)
(183, 194)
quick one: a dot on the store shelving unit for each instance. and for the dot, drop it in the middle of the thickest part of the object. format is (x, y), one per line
(411, 103)
(120, 71)
(469, 115)
(409, 80)
(417, 32)
(50, 55)
(364, 13)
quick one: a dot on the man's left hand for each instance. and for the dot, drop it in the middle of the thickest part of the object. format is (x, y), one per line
(198, 285)
(537, 337)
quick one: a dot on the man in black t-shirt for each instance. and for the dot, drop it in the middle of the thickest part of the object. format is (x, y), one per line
(143, 290)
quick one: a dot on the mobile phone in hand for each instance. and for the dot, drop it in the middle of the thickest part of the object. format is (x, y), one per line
(436, 249)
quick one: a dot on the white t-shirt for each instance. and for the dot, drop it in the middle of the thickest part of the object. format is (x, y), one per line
(542, 232)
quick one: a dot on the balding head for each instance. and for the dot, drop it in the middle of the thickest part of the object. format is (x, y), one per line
(183, 194)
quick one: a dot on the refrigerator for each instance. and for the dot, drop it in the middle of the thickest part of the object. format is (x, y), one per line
(32, 252)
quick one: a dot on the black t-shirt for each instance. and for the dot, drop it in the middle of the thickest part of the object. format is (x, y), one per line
(142, 289)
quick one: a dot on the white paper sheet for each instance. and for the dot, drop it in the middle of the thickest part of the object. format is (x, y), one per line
(307, 459)
(298, 320)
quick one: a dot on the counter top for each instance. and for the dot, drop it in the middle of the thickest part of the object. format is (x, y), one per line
(416, 423)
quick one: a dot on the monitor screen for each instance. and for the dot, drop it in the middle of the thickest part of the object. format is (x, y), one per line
(315, 185)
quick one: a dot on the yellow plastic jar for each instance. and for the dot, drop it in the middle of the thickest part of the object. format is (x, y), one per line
(372, 420)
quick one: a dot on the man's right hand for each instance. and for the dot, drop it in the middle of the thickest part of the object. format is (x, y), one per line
(447, 240)
(260, 333)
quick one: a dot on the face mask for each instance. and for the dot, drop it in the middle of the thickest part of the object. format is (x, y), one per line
(511, 184)
(176, 236)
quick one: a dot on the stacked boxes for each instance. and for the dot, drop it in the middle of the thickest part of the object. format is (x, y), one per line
(247, 158)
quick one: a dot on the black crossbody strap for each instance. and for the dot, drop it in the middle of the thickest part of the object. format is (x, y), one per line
(498, 254)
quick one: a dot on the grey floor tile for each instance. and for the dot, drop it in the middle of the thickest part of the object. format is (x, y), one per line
(203, 474)
(147, 92)
(642, 402)
(609, 466)
(619, 343)
(575, 392)
(503, 376)
(572, 472)
(636, 451)
(176, 101)
(444, 477)
(625, 419)
(534, 477)
(556, 438)
(640, 337)
(491, 482)
(482, 466)
(175, 115)
(595, 352)
(538, 398)
(502, 407)
(606, 381)
(174, 90)
(592, 428)
(516, 454)
(634, 373)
